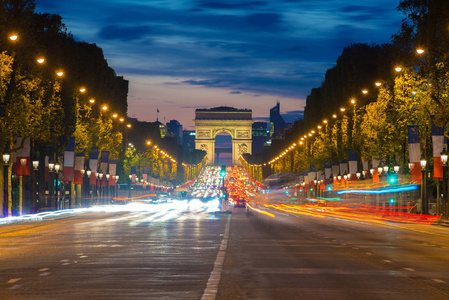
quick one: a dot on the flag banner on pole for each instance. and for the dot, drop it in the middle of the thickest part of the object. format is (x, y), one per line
(69, 160)
(93, 165)
(21, 157)
(312, 173)
(343, 168)
(335, 170)
(112, 171)
(319, 175)
(79, 165)
(327, 171)
(145, 173)
(414, 152)
(352, 164)
(437, 145)
(133, 173)
(365, 164)
(104, 162)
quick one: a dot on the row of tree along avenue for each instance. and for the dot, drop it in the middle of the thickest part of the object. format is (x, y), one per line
(63, 119)
(379, 106)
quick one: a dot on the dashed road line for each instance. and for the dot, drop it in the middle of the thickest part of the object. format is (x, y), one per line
(212, 284)
(409, 269)
(438, 280)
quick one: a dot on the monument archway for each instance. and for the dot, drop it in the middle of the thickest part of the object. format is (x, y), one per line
(236, 122)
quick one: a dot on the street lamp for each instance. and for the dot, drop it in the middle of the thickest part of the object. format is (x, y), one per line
(35, 186)
(130, 178)
(100, 177)
(6, 158)
(423, 163)
(396, 169)
(444, 157)
(107, 185)
(87, 187)
(57, 168)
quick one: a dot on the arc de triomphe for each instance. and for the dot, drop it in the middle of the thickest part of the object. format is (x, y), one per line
(236, 122)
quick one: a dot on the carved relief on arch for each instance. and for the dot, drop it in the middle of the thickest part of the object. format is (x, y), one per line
(203, 147)
(243, 148)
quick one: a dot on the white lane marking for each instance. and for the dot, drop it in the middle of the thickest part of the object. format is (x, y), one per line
(409, 269)
(80, 254)
(44, 269)
(14, 280)
(368, 253)
(438, 280)
(15, 287)
(212, 284)
(84, 256)
(387, 261)
(44, 273)
(65, 264)
(355, 248)
(63, 260)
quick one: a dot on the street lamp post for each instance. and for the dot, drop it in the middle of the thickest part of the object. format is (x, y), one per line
(444, 156)
(51, 168)
(107, 187)
(87, 193)
(6, 158)
(101, 196)
(35, 197)
(57, 204)
(130, 178)
(423, 163)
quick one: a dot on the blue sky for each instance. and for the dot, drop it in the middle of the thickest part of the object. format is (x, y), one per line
(182, 55)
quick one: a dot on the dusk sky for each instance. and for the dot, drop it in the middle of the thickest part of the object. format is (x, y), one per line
(182, 55)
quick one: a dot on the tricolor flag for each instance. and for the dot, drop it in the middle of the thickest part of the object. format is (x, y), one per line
(93, 165)
(343, 168)
(438, 141)
(69, 160)
(79, 165)
(112, 171)
(133, 175)
(104, 165)
(352, 164)
(21, 158)
(414, 152)
(145, 173)
(327, 172)
(365, 165)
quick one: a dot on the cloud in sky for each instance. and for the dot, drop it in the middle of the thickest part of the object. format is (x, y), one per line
(179, 55)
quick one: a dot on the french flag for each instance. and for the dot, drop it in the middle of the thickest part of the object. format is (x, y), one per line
(104, 165)
(79, 165)
(133, 175)
(327, 172)
(145, 173)
(438, 142)
(112, 171)
(21, 158)
(69, 160)
(352, 164)
(93, 165)
(414, 152)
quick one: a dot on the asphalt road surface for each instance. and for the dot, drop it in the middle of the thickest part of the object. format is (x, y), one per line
(191, 253)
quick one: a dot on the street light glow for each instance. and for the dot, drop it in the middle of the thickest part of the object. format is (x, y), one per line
(105, 107)
(60, 73)
(82, 90)
(420, 51)
(365, 92)
(378, 83)
(13, 37)
(398, 69)
(40, 60)
(91, 101)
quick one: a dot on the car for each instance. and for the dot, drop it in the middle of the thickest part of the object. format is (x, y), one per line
(241, 202)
